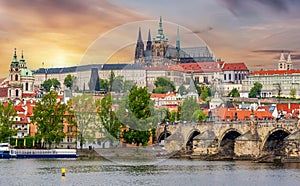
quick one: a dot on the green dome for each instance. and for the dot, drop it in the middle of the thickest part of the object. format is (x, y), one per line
(26, 72)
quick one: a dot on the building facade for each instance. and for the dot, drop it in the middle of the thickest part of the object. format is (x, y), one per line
(278, 82)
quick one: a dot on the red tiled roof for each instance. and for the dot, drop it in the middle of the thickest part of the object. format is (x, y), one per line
(211, 66)
(2, 80)
(29, 95)
(288, 107)
(234, 66)
(158, 96)
(273, 72)
(4, 92)
(191, 67)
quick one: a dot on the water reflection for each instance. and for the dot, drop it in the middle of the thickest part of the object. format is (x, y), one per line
(170, 172)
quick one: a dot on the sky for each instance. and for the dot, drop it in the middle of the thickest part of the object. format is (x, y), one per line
(58, 33)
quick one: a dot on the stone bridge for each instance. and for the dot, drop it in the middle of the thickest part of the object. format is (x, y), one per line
(237, 138)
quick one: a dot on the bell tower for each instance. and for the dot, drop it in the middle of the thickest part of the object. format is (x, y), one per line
(15, 86)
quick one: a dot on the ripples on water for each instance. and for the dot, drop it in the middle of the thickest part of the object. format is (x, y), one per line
(170, 172)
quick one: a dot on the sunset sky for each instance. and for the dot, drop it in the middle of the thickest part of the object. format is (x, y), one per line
(59, 32)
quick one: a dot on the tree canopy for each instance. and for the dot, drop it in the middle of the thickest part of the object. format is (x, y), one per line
(199, 116)
(163, 85)
(86, 118)
(69, 81)
(182, 90)
(108, 117)
(188, 107)
(138, 116)
(234, 93)
(47, 84)
(7, 114)
(255, 90)
(49, 115)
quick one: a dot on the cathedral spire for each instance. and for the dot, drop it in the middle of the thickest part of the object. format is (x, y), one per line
(149, 42)
(178, 39)
(139, 49)
(149, 35)
(140, 35)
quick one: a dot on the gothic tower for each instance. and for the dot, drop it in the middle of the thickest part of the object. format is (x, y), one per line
(160, 45)
(15, 86)
(139, 49)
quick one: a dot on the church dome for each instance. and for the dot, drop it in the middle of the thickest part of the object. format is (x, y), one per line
(26, 72)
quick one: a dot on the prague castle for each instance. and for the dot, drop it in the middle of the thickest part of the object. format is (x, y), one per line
(159, 52)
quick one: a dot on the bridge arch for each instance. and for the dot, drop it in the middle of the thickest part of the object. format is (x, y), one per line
(273, 142)
(226, 141)
(189, 142)
(163, 136)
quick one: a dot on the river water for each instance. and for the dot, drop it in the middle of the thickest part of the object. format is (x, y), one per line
(169, 172)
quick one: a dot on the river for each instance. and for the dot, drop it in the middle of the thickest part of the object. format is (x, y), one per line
(169, 172)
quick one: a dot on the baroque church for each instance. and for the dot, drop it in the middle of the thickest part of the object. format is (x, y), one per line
(21, 79)
(159, 52)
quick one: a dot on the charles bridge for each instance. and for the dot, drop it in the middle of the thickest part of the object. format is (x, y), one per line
(252, 138)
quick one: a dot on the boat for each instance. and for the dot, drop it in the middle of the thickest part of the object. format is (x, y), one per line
(7, 152)
(45, 153)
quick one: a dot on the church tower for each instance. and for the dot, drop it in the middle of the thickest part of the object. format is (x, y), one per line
(27, 79)
(160, 45)
(15, 86)
(289, 64)
(285, 64)
(139, 49)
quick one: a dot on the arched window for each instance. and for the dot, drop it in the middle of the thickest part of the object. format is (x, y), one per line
(17, 93)
(16, 77)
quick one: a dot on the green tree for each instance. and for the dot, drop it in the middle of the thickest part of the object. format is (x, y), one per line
(188, 107)
(163, 85)
(117, 84)
(234, 93)
(111, 79)
(255, 90)
(204, 93)
(47, 84)
(86, 118)
(69, 81)
(182, 90)
(199, 116)
(103, 84)
(128, 85)
(108, 118)
(138, 116)
(49, 116)
(293, 93)
(7, 114)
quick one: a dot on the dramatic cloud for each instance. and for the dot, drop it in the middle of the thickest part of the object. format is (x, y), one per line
(242, 7)
(56, 32)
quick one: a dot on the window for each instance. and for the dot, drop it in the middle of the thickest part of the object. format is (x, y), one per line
(224, 77)
(229, 77)
(69, 129)
(16, 77)
(17, 93)
(26, 86)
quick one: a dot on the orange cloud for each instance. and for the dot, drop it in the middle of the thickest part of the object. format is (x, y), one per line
(56, 32)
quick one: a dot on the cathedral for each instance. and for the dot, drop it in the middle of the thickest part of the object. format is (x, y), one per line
(159, 52)
(21, 79)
